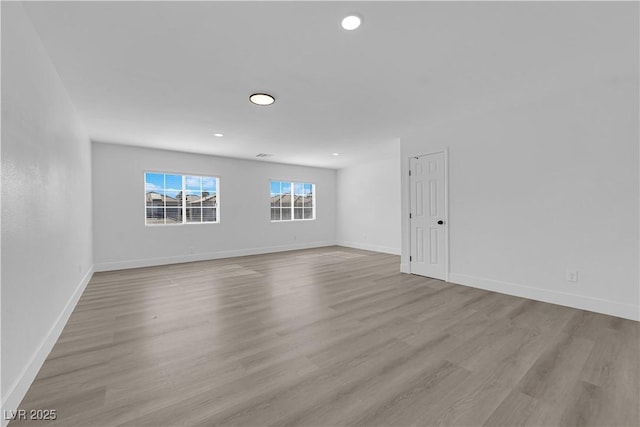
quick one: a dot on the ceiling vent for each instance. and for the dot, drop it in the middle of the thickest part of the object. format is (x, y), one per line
(264, 155)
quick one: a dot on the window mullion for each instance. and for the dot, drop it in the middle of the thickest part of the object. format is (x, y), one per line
(164, 198)
(184, 199)
(292, 202)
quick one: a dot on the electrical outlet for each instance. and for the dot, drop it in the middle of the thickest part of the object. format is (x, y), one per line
(572, 275)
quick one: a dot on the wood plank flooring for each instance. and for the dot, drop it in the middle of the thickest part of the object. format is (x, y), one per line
(329, 336)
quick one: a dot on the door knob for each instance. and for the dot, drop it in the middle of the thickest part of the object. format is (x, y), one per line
(440, 222)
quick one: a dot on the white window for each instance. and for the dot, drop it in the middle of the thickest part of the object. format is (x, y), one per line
(292, 201)
(180, 199)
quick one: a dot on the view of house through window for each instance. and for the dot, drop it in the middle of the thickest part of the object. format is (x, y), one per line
(292, 201)
(180, 199)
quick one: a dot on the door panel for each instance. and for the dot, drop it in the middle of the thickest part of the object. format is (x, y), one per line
(419, 235)
(428, 237)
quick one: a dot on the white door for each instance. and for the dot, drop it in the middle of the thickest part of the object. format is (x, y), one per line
(428, 215)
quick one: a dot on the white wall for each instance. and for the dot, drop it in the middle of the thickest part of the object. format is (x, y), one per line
(368, 204)
(121, 239)
(541, 186)
(46, 205)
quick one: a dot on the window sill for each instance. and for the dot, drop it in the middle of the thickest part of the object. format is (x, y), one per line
(184, 223)
(293, 220)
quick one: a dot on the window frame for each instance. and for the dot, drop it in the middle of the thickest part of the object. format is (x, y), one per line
(292, 194)
(183, 206)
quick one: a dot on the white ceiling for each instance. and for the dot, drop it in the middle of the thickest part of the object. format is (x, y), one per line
(171, 74)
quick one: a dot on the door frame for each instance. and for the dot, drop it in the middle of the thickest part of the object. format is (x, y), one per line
(447, 255)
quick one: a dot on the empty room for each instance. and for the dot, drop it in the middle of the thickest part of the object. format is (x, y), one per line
(307, 213)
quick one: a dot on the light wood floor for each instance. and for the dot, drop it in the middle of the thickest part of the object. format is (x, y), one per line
(329, 336)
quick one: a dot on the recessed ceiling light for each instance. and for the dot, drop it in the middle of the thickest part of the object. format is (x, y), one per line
(351, 22)
(335, 154)
(219, 135)
(262, 99)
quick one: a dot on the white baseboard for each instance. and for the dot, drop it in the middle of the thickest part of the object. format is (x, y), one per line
(370, 247)
(149, 262)
(16, 392)
(613, 308)
(405, 268)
